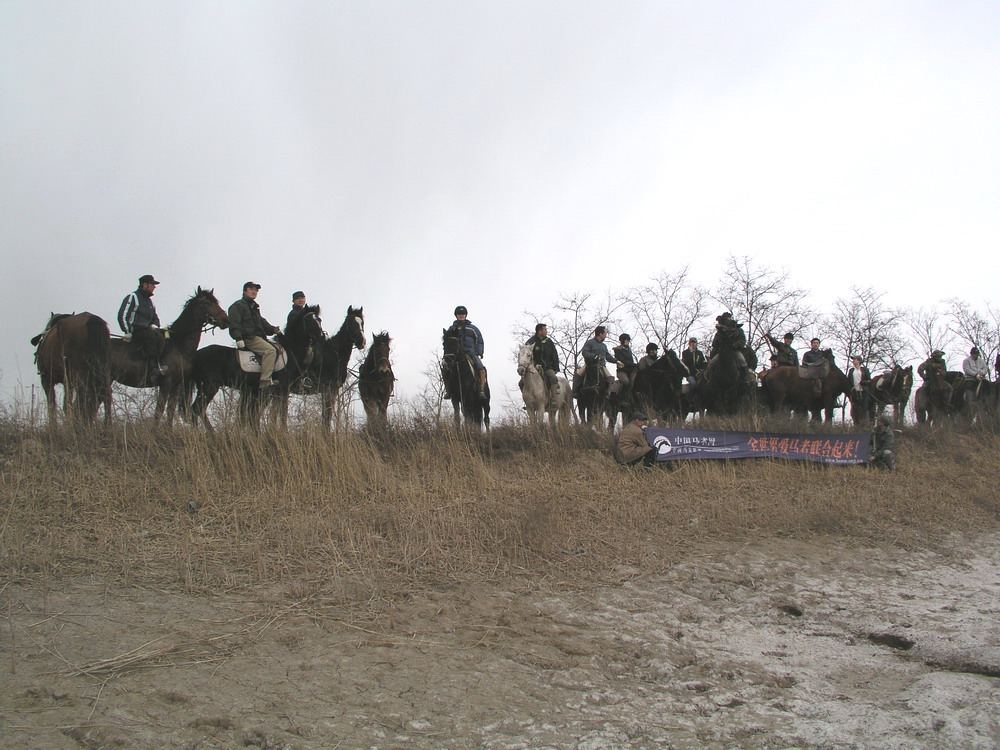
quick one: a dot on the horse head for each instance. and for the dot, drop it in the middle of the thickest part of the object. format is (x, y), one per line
(525, 360)
(355, 325)
(307, 327)
(209, 309)
(378, 354)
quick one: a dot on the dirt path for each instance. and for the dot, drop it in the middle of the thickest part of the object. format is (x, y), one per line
(780, 644)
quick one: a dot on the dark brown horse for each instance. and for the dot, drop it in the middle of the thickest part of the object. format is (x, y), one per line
(784, 389)
(932, 401)
(376, 381)
(73, 351)
(892, 388)
(592, 391)
(131, 367)
(658, 388)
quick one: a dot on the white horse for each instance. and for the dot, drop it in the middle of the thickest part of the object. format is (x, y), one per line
(533, 392)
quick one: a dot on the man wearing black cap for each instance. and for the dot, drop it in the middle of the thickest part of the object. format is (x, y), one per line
(783, 351)
(631, 445)
(652, 354)
(298, 307)
(249, 330)
(138, 320)
(626, 366)
(471, 340)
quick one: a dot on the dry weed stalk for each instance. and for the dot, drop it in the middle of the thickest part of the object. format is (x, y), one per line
(352, 515)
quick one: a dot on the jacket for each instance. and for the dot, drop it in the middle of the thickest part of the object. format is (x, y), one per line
(883, 441)
(866, 377)
(137, 312)
(469, 337)
(245, 320)
(631, 443)
(694, 360)
(783, 352)
(595, 352)
(544, 353)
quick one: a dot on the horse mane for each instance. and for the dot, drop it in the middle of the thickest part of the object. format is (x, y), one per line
(187, 310)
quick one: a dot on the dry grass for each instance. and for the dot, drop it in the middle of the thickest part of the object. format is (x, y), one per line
(352, 516)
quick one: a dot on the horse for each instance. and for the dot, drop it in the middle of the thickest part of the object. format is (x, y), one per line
(330, 364)
(537, 400)
(74, 351)
(461, 381)
(975, 398)
(130, 366)
(376, 380)
(892, 388)
(592, 390)
(932, 400)
(218, 366)
(658, 388)
(725, 387)
(784, 387)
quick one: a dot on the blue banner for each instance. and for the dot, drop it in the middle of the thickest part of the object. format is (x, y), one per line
(683, 445)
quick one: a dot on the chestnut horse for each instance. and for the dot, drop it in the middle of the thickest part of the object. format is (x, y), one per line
(785, 389)
(131, 367)
(73, 351)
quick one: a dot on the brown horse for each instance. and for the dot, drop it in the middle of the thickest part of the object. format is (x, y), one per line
(376, 381)
(891, 389)
(785, 389)
(932, 401)
(73, 352)
(131, 367)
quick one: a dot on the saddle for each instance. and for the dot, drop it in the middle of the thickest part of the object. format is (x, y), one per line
(250, 362)
(808, 372)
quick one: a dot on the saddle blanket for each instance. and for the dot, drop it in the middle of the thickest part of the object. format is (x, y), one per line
(250, 362)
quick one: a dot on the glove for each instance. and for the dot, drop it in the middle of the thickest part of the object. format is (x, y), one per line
(240, 344)
(154, 327)
(127, 337)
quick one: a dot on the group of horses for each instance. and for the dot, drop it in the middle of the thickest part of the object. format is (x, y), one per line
(666, 391)
(79, 352)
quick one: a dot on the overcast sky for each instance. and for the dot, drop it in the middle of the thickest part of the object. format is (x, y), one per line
(411, 156)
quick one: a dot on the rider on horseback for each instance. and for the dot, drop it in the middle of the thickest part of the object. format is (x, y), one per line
(626, 366)
(783, 351)
(138, 320)
(471, 340)
(652, 354)
(545, 357)
(249, 329)
(694, 360)
(729, 333)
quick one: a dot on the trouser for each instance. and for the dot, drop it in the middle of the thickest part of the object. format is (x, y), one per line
(267, 353)
(887, 461)
(149, 341)
(552, 380)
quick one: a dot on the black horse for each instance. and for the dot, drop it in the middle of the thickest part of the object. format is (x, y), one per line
(332, 358)
(592, 391)
(725, 387)
(376, 380)
(323, 372)
(461, 381)
(658, 388)
(891, 388)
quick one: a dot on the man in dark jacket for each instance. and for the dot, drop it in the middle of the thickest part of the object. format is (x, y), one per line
(783, 351)
(545, 356)
(626, 365)
(694, 358)
(298, 308)
(138, 320)
(249, 330)
(471, 340)
(652, 354)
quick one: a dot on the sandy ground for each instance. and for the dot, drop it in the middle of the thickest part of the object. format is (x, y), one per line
(779, 644)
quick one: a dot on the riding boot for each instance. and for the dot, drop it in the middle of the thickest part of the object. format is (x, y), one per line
(482, 384)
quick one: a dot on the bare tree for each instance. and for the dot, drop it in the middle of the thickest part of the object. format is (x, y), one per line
(667, 309)
(928, 328)
(863, 325)
(974, 328)
(763, 300)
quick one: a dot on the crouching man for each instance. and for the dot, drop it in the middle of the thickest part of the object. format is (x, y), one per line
(883, 446)
(631, 446)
